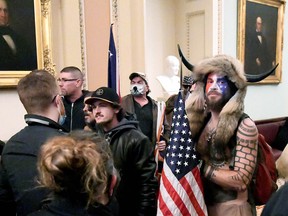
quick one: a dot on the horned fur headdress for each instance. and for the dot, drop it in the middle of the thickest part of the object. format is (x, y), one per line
(231, 112)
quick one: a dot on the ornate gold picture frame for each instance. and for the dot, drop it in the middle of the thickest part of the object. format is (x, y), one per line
(260, 37)
(42, 40)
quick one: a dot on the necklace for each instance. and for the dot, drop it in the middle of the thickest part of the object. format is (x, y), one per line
(210, 130)
(211, 134)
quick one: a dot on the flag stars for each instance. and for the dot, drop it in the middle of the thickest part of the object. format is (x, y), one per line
(180, 156)
(183, 132)
(110, 54)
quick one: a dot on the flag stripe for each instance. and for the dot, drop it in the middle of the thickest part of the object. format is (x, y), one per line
(163, 206)
(167, 205)
(181, 189)
(191, 193)
(187, 188)
(174, 195)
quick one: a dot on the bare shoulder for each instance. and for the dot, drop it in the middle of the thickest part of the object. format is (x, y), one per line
(248, 129)
(248, 122)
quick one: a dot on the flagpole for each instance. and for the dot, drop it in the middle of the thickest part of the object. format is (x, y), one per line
(181, 73)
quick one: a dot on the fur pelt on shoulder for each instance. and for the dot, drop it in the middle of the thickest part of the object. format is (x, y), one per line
(233, 109)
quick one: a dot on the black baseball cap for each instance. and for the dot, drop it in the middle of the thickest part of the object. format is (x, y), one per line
(187, 80)
(104, 94)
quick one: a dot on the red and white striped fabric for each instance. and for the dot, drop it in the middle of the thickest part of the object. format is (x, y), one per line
(181, 189)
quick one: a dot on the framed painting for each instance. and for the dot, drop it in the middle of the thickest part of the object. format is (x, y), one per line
(260, 37)
(24, 39)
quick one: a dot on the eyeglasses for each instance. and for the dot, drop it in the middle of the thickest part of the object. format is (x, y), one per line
(65, 80)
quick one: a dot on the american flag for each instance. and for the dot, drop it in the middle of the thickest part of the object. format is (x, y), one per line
(181, 189)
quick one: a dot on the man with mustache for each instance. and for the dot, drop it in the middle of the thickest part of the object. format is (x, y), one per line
(227, 143)
(132, 151)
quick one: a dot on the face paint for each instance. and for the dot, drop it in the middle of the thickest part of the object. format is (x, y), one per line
(216, 82)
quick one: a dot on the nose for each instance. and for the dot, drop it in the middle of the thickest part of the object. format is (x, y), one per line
(214, 86)
(135, 88)
(95, 109)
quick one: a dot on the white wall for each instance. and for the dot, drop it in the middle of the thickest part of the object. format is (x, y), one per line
(160, 41)
(262, 101)
(11, 114)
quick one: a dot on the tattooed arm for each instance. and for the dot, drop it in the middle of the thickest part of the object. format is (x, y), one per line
(245, 160)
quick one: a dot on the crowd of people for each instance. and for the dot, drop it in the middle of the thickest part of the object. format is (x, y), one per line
(93, 153)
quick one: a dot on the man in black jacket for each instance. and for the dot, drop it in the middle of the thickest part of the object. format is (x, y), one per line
(39, 94)
(133, 154)
(70, 82)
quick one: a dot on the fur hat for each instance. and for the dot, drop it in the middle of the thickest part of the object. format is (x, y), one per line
(232, 110)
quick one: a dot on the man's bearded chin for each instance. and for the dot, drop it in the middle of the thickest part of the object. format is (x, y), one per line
(217, 105)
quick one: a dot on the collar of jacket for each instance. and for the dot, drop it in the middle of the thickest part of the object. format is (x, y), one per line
(32, 119)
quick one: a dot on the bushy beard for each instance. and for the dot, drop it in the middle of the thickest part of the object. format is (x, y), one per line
(217, 105)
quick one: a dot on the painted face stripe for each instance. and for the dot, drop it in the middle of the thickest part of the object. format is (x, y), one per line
(217, 82)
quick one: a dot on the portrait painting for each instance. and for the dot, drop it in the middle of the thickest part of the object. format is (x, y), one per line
(260, 37)
(24, 38)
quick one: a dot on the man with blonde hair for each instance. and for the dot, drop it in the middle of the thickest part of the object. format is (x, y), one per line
(39, 94)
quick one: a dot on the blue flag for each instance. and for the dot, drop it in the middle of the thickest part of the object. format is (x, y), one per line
(113, 79)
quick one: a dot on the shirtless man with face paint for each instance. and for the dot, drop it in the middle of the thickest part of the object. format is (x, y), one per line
(228, 148)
